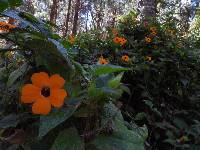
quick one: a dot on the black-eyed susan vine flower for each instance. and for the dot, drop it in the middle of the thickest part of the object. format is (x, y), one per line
(44, 92)
(154, 33)
(125, 58)
(123, 41)
(119, 40)
(148, 39)
(103, 61)
(153, 29)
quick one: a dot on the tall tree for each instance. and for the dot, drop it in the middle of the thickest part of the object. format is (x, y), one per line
(185, 15)
(54, 11)
(66, 25)
(76, 16)
(147, 8)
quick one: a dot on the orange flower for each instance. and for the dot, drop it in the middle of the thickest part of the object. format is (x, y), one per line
(44, 92)
(114, 31)
(153, 29)
(125, 58)
(147, 39)
(123, 41)
(119, 40)
(154, 33)
(103, 61)
(6, 26)
(71, 39)
(148, 58)
(116, 40)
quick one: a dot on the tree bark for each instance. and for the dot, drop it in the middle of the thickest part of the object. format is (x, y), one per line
(75, 23)
(114, 12)
(86, 23)
(185, 17)
(147, 9)
(67, 19)
(54, 12)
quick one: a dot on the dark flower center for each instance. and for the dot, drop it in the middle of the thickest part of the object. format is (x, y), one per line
(45, 91)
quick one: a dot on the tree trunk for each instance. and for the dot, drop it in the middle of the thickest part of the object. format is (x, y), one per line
(114, 12)
(67, 19)
(86, 23)
(75, 23)
(54, 12)
(147, 9)
(185, 18)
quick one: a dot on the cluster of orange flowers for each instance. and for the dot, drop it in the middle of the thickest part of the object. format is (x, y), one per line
(103, 61)
(153, 31)
(118, 40)
(44, 92)
(6, 26)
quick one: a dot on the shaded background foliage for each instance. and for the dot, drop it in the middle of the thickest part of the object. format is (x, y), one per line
(163, 93)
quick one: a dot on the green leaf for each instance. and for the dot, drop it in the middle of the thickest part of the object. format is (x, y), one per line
(114, 83)
(79, 68)
(17, 73)
(68, 140)
(125, 89)
(103, 80)
(140, 116)
(3, 5)
(104, 69)
(56, 117)
(110, 92)
(56, 37)
(51, 50)
(180, 123)
(28, 17)
(13, 3)
(9, 121)
(122, 138)
(95, 93)
(13, 147)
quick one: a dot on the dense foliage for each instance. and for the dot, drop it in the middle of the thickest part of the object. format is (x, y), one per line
(89, 116)
(132, 87)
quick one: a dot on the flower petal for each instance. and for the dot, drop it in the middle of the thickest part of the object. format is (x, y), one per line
(41, 107)
(57, 97)
(56, 81)
(30, 93)
(40, 79)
